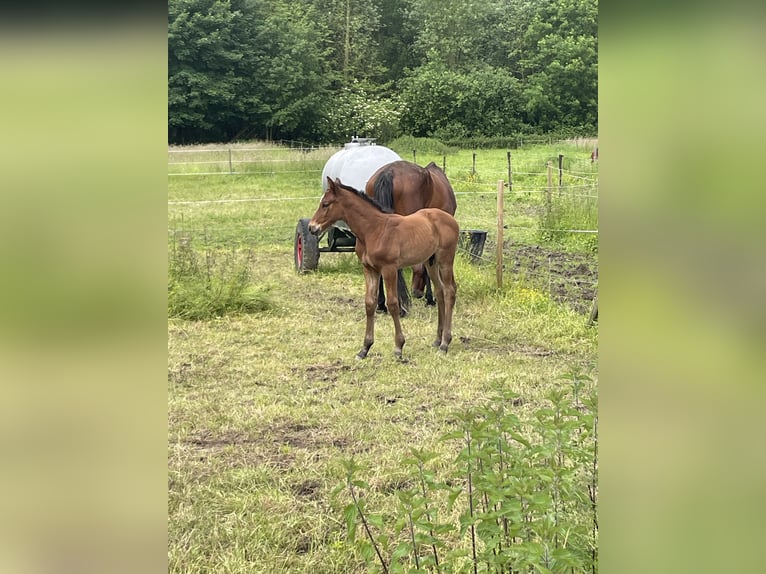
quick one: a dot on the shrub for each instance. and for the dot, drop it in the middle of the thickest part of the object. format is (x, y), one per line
(202, 286)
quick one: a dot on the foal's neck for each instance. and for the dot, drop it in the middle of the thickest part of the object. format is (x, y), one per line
(361, 216)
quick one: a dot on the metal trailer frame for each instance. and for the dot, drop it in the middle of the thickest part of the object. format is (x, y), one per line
(360, 158)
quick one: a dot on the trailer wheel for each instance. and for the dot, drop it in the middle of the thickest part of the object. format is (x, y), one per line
(306, 249)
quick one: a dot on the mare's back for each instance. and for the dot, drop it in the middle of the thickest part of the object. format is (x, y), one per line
(442, 196)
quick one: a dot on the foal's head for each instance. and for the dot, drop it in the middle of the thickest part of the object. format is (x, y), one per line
(329, 210)
(331, 206)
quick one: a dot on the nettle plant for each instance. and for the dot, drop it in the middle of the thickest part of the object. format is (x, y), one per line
(520, 495)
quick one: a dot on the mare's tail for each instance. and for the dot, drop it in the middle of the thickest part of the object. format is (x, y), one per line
(383, 189)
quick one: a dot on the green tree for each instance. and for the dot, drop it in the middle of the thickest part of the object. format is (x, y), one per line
(395, 39)
(445, 103)
(353, 27)
(208, 69)
(558, 60)
(321, 69)
(455, 33)
(292, 72)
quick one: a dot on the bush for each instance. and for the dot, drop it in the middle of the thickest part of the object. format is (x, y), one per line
(214, 287)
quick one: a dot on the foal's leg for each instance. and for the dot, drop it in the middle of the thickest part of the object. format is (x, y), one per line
(434, 273)
(371, 280)
(444, 282)
(389, 276)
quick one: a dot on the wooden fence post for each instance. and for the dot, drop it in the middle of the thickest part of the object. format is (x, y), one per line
(510, 177)
(499, 250)
(444, 163)
(561, 170)
(473, 166)
(550, 186)
(414, 155)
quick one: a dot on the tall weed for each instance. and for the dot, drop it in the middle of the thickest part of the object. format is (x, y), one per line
(212, 283)
(520, 495)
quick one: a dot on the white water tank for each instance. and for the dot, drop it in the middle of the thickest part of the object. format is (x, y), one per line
(356, 163)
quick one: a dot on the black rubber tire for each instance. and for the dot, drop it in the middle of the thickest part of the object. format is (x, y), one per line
(306, 248)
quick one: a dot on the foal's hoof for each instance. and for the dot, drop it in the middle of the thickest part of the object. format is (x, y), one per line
(430, 303)
(381, 310)
(361, 355)
(443, 349)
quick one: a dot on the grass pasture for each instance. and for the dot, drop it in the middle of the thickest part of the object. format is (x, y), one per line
(265, 407)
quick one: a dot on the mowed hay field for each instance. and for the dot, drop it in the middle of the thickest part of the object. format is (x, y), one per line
(264, 406)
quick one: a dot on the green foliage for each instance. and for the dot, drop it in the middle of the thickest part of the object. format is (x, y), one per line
(521, 494)
(211, 288)
(354, 110)
(279, 69)
(449, 104)
(454, 33)
(209, 73)
(293, 73)
(562, 71)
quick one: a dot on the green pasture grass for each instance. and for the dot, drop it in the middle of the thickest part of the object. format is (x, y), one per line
(246, 157)
(255, 214)
(264, 407)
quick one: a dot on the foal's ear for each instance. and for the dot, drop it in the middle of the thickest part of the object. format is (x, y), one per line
(330, 183)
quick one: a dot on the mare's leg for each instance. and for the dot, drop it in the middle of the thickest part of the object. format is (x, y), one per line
(390, 277)
(401, 293)
(371, 281)
(418, 281)
(429, 293)
(381, 298)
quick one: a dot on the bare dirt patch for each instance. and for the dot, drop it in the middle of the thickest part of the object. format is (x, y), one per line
(569, 278)
(322, 372)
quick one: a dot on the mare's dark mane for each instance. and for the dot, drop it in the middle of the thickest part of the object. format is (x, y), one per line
(367, 198)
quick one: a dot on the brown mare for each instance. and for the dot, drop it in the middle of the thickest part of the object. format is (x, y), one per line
(386, 242)
(405, 187)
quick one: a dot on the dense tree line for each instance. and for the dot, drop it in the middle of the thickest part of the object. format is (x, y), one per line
(321, 70)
